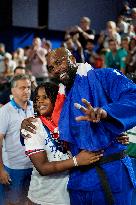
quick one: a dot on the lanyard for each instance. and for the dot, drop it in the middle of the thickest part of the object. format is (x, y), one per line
(18, 107)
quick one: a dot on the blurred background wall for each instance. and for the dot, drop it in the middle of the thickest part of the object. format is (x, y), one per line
(21, 20)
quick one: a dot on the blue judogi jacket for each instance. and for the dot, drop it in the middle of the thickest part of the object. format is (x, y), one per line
(115, 93)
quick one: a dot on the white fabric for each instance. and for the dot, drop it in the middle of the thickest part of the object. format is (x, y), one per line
(83, 69)
(34, 142)
(13, 152)
(132, 135)
(61, 89)
(51, 189)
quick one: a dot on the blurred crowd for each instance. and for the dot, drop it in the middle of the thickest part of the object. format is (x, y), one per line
(113, 47)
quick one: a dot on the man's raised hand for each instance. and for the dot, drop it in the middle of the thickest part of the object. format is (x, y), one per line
(90, 113)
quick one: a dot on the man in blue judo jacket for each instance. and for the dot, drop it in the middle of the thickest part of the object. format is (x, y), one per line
(108, 100)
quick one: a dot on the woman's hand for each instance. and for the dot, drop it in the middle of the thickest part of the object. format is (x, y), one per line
(87, 157)
(123, 139)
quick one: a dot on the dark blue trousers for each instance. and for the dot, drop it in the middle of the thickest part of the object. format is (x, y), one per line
(97, 197)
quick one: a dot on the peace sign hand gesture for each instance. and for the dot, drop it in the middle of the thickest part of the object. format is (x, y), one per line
(91, 114)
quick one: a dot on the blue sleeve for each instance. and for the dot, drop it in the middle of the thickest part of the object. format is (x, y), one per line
(122, 94)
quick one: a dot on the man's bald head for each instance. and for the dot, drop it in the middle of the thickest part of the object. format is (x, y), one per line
(61, 64)
(59, 53)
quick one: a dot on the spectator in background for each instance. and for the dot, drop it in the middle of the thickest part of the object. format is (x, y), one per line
(114, 58)
(46, 44)
(131, 58)
(131, 33)
(15, 168)
(84, 31)
(22, 71)
(18, 57)
(2, 50)
(72, 43)
(133, 16)
(111, 33)
(122, 25)
(126, 10)
(36, 59)
(100, 60)
(22, 63)
(7, 65)
(123, 51)
(6, 96)
(27, 50)
(125, 44)
(19, 71)
(89, 53)
(99, 44)
(132, 43)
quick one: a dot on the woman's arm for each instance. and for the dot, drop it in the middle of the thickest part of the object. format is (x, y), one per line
(35, 149)
(44, 167)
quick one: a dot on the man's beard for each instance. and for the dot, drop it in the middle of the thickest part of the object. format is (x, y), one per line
(71, 73)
